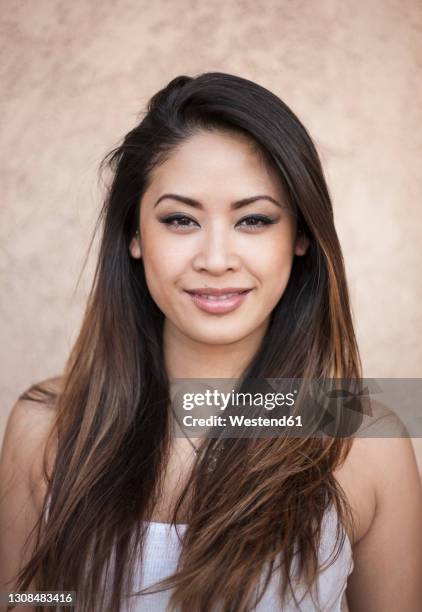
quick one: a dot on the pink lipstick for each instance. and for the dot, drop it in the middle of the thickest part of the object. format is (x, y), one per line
(218, 301)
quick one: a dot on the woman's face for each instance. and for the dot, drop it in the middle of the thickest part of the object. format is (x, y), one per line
(214, 220)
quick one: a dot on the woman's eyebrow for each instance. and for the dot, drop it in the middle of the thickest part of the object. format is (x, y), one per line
(233, 205)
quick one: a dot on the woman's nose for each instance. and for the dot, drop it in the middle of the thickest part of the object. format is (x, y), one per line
(217, 252)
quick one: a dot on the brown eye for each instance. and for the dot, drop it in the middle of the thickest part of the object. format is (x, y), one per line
(255, 221)
(178, 221)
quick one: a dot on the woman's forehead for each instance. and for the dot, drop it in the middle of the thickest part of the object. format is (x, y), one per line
(215, 165)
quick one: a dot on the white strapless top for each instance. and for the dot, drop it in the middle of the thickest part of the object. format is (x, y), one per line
(162, 550)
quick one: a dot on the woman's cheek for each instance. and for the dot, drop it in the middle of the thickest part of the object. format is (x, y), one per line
(276, 273)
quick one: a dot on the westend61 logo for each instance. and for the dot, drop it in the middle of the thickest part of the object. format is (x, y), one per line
(270, 407)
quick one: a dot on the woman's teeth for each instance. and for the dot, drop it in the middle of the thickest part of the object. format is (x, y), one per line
(217, 297)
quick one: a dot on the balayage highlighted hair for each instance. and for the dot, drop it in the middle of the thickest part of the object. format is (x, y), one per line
(263, 499)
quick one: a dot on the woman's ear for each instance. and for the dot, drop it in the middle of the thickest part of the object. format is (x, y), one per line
(302, 243)
(135, 246)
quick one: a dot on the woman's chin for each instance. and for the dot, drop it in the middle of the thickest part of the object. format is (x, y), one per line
(216, 335)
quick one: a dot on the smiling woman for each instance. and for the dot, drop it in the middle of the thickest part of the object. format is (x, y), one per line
(219, 258)
(205, 249)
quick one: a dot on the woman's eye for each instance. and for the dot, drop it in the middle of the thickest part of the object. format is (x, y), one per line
(178, 221)
(252, 222)
(255, 221)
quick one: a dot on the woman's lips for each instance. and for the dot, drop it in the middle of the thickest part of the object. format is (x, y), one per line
(215, 304)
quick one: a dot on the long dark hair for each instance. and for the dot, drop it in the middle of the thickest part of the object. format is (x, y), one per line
(262, 498)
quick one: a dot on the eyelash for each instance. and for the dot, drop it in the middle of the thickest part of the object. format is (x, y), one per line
(261, 218)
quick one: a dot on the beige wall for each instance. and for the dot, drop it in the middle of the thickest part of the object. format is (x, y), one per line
(76, 75)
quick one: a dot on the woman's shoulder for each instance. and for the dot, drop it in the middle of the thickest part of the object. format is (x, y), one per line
(22, 481)
(28, 428)
(384, 488)
(381, 457)
(32, 416)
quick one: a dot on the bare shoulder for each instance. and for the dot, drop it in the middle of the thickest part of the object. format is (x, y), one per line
(32, 416)
(380, 460)
(382, 482)
(28, 427)
(22, 482)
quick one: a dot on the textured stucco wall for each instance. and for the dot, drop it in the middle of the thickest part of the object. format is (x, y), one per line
(74, 77)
